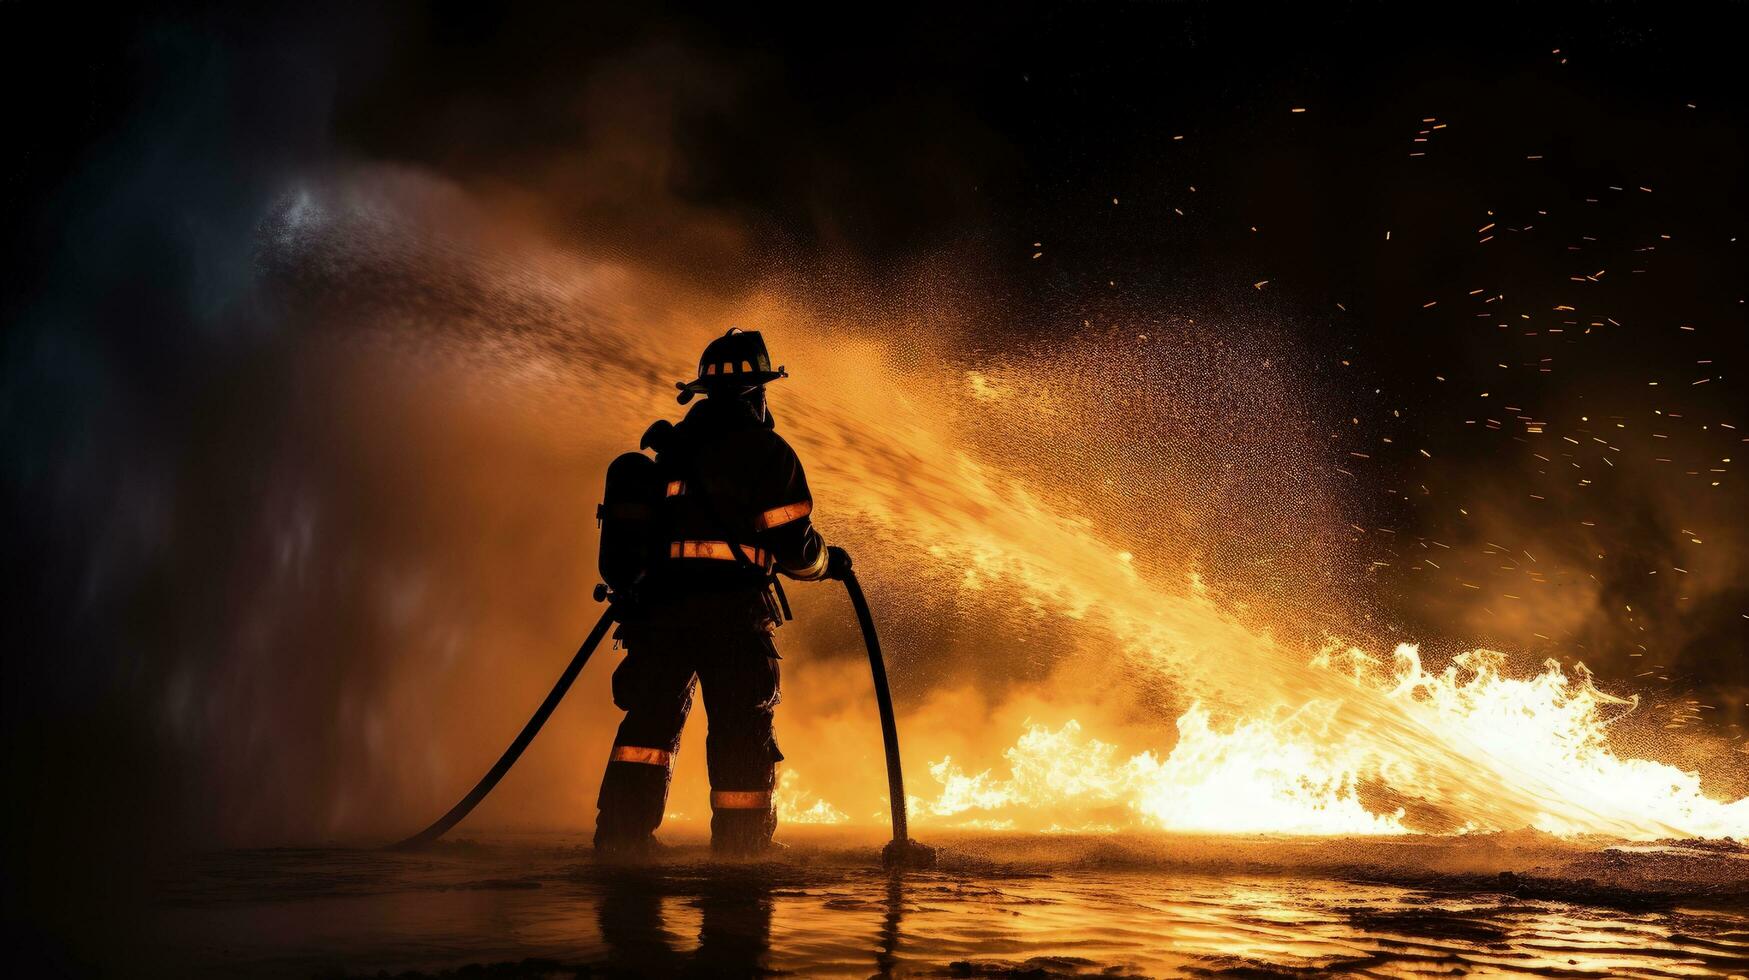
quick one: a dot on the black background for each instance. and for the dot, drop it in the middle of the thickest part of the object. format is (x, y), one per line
(139, 140)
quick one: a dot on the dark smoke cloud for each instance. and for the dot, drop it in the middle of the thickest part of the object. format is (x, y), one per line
(143, 393)
(225, 544)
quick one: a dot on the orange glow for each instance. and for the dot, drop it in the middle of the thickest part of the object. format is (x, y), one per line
(1067, 546)
(1493, 753)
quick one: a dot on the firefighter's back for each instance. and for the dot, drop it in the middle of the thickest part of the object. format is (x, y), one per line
(724, 475)
(708, 523)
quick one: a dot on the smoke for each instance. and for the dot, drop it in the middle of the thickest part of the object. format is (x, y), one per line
(307, 413)
(418, 566)
(439, 545)
(141, 396)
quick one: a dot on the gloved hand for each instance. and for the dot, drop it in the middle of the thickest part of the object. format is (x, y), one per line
(837, 562)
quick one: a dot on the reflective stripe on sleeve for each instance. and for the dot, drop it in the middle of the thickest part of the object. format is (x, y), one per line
(783, 515)
(639, 753)
(740, 799)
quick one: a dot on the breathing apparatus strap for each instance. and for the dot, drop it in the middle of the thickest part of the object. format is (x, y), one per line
(782, 599)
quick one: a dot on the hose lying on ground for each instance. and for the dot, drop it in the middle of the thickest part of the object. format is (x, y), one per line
(529, 731)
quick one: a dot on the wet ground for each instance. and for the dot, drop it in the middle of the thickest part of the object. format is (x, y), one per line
(1015, 906)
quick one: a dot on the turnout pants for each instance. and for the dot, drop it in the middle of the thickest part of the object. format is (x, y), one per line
(723, 645)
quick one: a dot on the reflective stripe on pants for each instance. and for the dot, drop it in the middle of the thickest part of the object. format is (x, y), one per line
(641, 754)
(740, 799)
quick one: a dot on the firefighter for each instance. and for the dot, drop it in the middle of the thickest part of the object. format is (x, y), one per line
(729, 511)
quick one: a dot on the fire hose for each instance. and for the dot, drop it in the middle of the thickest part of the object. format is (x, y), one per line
(902, 851)
(442, 824)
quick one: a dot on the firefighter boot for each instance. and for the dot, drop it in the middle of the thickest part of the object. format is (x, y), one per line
(742, 822)
(634, 794)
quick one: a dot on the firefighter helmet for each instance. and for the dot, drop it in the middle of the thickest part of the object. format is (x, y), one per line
(734, 362)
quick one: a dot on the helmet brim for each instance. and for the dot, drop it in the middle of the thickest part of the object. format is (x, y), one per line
(743, 379)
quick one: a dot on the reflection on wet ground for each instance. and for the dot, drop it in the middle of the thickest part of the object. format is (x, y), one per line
(547, 909)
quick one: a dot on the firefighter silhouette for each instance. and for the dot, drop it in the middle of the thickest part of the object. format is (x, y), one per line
(693, 542)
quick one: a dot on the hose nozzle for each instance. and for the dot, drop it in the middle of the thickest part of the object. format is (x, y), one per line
(905, 854)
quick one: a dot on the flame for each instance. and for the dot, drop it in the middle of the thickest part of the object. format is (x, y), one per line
(796, 805)
(1171, 523)
(1308, 770)
(1256, 777)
